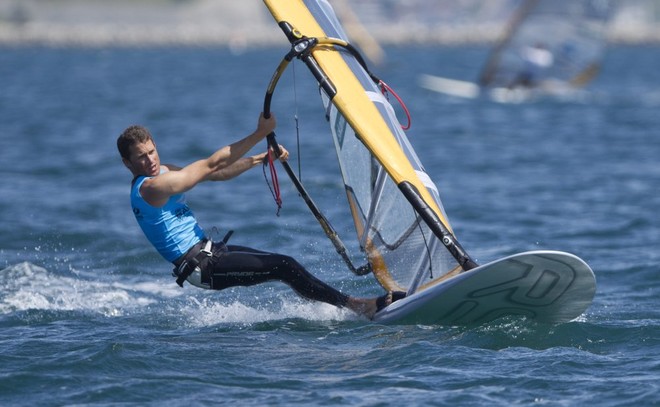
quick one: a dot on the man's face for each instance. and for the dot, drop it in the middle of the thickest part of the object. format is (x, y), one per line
(144, 159)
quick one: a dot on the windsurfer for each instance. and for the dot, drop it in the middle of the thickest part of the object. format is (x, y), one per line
(160, 208)
(536, 59)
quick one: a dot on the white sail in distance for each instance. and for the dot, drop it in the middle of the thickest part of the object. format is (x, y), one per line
(549, 41)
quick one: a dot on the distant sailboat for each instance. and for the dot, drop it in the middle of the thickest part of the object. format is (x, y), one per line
(549, 48)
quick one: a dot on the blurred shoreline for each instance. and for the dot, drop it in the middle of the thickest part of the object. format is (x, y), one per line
(247, 23)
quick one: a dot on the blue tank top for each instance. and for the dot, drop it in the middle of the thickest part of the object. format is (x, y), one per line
(172, 229)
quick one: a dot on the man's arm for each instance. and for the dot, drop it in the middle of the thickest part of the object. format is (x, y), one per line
(236, 168)
(156, 191)
(243, 164)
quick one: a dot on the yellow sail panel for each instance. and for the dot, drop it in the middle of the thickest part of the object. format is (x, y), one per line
(352, 101)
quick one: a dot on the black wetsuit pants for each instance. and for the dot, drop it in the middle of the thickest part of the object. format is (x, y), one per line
(242, 266)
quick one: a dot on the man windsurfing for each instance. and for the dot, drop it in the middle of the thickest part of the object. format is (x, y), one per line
(160, 208)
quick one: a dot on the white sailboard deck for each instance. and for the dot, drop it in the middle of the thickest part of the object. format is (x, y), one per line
(469, 90)
(453, 87)
(545, 286)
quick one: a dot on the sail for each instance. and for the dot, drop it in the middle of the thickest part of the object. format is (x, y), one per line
(550, 41)
(399, 218)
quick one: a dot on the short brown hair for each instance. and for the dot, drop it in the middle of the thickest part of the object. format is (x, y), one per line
(132, 135)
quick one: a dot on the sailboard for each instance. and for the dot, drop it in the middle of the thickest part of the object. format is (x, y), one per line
(400, 223)
(549, 48)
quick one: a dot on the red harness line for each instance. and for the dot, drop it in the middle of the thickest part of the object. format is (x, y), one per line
(276, 184)
(385, 89)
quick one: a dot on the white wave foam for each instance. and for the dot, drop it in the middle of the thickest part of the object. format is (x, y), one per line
(30, 287)
(209, 312)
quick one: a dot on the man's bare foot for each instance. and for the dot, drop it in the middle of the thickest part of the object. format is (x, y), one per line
(369, 306)
(363, 306)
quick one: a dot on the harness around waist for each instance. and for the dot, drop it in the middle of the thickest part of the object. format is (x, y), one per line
(189, 262)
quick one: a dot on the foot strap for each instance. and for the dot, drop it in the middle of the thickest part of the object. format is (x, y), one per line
(381, 302)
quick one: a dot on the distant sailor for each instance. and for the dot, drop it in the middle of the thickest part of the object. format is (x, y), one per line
(536, 60)
(160, 208)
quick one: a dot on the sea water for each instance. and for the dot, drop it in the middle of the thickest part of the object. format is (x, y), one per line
(90, 314)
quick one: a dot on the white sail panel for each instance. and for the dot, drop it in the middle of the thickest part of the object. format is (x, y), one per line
(399, 219)
(387, 226)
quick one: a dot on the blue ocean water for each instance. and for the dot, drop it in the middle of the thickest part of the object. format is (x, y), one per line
(89, 313)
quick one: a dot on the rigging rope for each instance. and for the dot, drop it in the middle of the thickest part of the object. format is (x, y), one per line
(295, 102)
(385, 89)
(275, 188)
